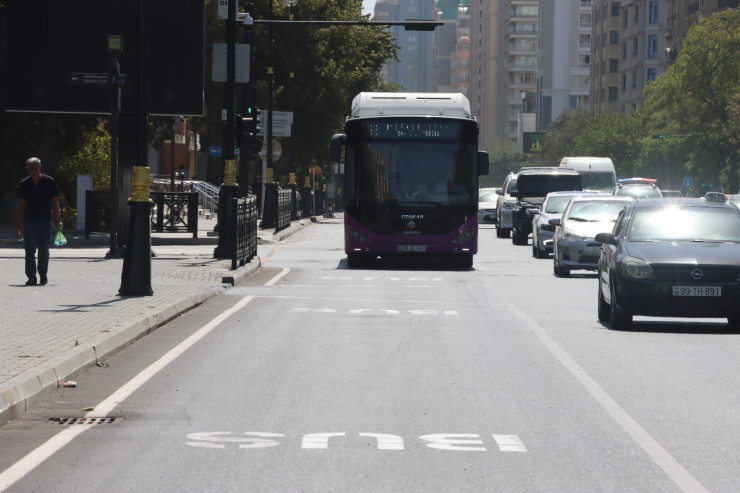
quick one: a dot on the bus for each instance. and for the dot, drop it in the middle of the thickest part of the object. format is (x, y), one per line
(410, 177)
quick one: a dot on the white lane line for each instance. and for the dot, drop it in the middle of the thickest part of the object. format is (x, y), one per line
(21, 468)
(683, 479)
(275, 279)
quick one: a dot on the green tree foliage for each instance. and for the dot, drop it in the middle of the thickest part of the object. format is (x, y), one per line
(696, 98)
(503, 159)
(91, 159)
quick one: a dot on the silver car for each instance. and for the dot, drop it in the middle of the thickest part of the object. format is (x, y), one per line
(552, 207)
(504, 204)
(574, 246)
(487, 205)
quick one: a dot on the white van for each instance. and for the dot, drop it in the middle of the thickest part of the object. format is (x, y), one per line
(597, 173)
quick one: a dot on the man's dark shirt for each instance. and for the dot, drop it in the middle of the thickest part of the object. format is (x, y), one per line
(38, 196)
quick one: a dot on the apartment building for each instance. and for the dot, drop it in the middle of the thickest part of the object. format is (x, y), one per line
(518, 44)
(484, 67)
(414, 70)
(564, 58)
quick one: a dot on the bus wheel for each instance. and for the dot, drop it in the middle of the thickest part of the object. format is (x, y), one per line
(464, 261)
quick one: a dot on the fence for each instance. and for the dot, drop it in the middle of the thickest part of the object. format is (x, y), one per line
(282, 206)
(245, 237)
(181, 215)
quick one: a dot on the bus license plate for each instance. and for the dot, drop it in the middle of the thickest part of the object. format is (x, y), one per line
(412, 248)
(697, 290)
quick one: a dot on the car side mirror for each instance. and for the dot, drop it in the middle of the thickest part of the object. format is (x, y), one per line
(555, 221)
(607, 238)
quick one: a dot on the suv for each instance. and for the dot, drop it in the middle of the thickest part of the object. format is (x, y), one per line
(504, 203)
(531, 187)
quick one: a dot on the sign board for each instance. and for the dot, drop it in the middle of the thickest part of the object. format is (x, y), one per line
(281, 117)
(223, 9)
(688, 181)
(217, 151)
(241, 57)
(278, 129)
(277, 151)
(533, 142)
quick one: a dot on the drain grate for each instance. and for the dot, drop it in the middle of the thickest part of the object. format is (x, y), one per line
(84, 421)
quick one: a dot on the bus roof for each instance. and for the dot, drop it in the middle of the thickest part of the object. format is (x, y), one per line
(367, 104)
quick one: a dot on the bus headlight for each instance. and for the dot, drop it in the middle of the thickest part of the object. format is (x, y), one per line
(467, 235)
(357, 236)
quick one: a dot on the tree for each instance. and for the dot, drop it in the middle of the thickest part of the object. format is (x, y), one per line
(698, 94)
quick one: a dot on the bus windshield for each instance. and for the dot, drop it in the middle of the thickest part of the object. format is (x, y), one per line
(411, 161)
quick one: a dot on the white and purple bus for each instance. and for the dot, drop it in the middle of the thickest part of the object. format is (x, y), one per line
(411, 177)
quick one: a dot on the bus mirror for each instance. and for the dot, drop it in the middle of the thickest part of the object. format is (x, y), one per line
(483, 163)
(335, 147)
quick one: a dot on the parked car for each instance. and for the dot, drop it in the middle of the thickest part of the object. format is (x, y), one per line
(671, 258)
(504, 204)
(574, 243)
(542, 231)
(639, 188)
(487, 205)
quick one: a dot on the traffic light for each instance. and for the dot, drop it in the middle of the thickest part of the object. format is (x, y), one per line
(661, 136)
(247, 128)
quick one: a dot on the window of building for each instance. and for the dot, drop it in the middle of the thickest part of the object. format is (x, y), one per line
(637, 13)
(584, 40)
(652, 46)
(624, 51)
(625, 18)
(584, 61)
(612, 93)
(653, 15)
(615, 9)
(634, 78)
(652, 74)
(634, 46)
(585, 20)
(614, 37)
(613, 65)
(624, 82)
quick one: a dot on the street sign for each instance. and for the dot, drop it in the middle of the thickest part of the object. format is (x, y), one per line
(277, 151)
(218, 63)
(278, 129)
(217, 150)
(532, 142)
(282, 117)
(688, 181)
(83, 78)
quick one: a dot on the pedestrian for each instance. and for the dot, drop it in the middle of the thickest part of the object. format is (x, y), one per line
(38, 195)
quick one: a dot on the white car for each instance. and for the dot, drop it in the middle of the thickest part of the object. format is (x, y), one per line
(552, 207)
(504, 204)
(487, 205)
(574, 243)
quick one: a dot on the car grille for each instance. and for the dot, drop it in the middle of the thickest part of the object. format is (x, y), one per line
(682, 273)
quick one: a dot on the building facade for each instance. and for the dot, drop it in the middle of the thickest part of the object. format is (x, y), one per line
(564, 58)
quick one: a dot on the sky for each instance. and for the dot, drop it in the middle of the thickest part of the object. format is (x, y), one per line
(368, 6)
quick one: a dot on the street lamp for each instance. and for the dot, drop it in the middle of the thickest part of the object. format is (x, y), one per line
(291, 89)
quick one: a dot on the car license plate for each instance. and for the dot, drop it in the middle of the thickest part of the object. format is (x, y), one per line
(697, 290)
(412, 248)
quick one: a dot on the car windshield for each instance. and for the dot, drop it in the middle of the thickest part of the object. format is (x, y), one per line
(487, 196)
(596, 211)
(557, 204)
(685, 224)
(639, 192)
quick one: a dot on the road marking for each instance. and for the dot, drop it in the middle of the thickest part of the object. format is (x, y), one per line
(448, 441)
(275, 279)
(27, 464)
(683, 479)
(368, 311)
(266, 258)
(386, 441)
(318, 440)
(509, 443)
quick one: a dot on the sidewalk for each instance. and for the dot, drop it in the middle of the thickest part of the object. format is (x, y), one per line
(48, 333)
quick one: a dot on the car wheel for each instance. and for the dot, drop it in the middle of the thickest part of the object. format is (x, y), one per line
(518, 238)
(539, 252)
(603, 308)
(733, 321)
(620, 319)
(535, 253)
(558, 269)
(502, 232)
(358, 260)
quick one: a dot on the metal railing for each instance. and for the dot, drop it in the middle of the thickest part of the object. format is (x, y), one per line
(245, 237)
(282, 206)
(175, 212)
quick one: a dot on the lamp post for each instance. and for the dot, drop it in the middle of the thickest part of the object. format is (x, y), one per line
(291, 89)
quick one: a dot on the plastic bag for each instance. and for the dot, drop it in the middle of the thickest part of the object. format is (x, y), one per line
(59, 239)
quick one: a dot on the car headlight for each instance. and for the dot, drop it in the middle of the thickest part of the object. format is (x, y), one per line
(570, 235)
(635, 268)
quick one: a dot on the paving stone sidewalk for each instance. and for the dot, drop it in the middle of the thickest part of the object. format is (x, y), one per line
(48, 333)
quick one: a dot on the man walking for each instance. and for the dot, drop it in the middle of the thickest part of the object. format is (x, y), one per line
(38, 194)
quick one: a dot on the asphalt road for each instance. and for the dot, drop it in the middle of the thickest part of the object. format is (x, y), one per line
(404, 377)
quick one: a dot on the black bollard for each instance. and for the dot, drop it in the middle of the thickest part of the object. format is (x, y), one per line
(294, 216)
(136, 277)
(226, 217)
(269, 214)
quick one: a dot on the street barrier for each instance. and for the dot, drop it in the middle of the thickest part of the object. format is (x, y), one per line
(245, 236)
(283, 208)
(181, 215)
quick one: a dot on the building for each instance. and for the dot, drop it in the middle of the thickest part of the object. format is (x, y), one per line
(564, 58)
(484, 67)
(606, 38)
(517, 40)
(414, 70)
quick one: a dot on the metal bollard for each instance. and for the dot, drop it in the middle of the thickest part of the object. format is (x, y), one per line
(136, 277)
